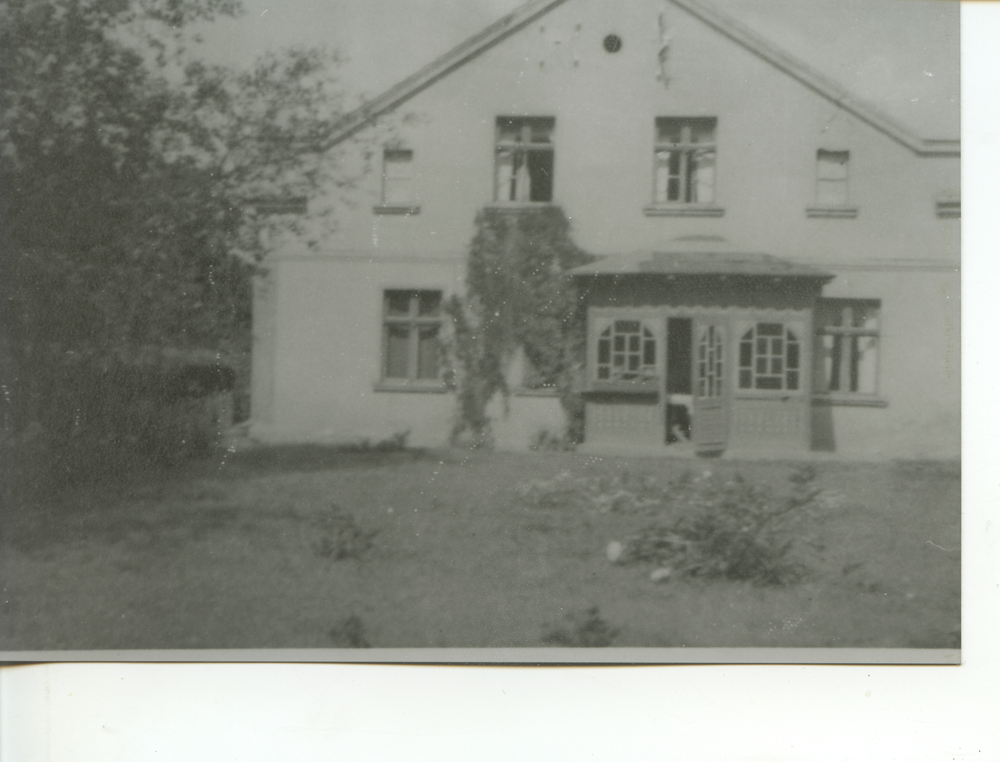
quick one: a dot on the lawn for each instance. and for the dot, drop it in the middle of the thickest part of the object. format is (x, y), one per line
(242, 551)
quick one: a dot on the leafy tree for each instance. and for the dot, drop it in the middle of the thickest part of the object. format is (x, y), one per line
(131, 176)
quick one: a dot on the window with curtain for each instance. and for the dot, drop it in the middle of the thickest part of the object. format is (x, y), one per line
(524, 159)
(684, 161)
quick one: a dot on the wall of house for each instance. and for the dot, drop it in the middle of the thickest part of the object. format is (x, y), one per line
(769, 129)
(919, 378)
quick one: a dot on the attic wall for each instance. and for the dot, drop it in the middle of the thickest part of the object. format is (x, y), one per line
(769, 129)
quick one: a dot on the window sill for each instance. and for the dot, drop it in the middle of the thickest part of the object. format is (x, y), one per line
(396, 209)
(625, 387)
(524, 391)
(683, 210)
(948, 210)
(845, 400)
(832, 212)
(782, 395)
(518, 206)
(411, 387)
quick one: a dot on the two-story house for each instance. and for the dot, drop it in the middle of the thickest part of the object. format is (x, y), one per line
(779, 259)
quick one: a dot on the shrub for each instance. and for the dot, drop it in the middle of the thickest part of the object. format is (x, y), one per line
(545, 440)
(350, 633)
(733, 529)
(705, 526)
(587, 629)
(341, 536)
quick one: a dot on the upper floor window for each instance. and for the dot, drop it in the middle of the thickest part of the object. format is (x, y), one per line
(411, 326)
(831, 178)
(684, 161)
(397, 177)
(525, 156)
(847, 336)
(770, 358)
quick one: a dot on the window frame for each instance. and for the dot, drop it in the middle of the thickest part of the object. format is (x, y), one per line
(389, 204)
(648, 375)
(849, 368)
(791, 333)
(840, 206)
(523, 146)
(413, 321)
(686, 176)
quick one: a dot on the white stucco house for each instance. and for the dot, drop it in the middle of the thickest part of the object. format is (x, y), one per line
(778, 258)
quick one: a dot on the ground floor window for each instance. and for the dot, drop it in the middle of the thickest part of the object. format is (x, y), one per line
(770, 358)
(626, 351)
(847, 338)
(411, 327)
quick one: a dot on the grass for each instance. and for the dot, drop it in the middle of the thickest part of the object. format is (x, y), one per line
(303, 547)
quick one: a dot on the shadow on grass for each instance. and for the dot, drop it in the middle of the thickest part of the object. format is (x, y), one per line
(307, 458)
(44, 503)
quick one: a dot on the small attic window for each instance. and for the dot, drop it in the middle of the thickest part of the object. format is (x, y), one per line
(612, 43)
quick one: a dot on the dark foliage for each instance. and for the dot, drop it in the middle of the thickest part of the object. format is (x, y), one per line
(130, 222)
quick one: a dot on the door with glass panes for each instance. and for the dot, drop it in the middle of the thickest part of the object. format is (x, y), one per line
(709, 385)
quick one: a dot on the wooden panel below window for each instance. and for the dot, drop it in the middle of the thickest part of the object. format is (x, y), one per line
(771, 423)
(625, 421)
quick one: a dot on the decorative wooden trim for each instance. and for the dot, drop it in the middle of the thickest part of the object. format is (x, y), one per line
(683, 210)
(832, 212)
(400, 210)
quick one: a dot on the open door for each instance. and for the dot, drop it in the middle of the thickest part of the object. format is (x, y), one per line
(710, 371)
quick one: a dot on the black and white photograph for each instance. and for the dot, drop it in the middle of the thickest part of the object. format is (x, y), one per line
(492, 331)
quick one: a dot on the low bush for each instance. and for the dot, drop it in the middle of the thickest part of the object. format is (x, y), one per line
(341, 536)
(349, 633)
(733, 529)
(704, 526)
(546, 441)
(586, 629)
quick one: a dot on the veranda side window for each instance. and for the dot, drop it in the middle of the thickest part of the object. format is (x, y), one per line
(847, 338)
(684, 169)
(525, 157)
(411, 326)
(626, 351)
(770, 358)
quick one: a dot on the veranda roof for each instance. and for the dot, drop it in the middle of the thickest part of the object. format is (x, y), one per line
(698, 259)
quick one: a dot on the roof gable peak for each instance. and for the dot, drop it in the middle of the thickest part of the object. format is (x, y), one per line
(706, 13)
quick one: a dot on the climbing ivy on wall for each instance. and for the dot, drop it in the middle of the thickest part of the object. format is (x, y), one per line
(518, 295)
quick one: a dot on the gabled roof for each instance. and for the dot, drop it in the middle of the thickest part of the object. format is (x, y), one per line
(721, 22)
(444, 65)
